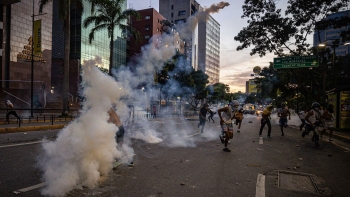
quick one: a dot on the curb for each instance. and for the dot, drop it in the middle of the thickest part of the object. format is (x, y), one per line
(30, 128)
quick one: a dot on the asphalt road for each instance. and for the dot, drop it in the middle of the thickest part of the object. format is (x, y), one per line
(188, 163)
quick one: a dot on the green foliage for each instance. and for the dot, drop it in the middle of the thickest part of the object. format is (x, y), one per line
(269, 31)
(109, 15)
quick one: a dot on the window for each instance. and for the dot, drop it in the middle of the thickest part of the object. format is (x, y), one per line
(147, 17)
(157, 20)
(172, 15)
(180, 21)
(182, 12)
(147, 27)
(147, 36)
(172, 7)
(157, 29)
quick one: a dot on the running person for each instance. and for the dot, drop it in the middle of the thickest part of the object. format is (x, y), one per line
(227, 114)
(239, 119)
(283, 112)
(265, 119)
(202, 116)
(312, 120)
(328, 116)
(211, 115)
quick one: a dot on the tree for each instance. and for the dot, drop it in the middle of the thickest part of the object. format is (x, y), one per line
(64, 14)
(219, 92)
(110, 15)
(200, 92)
(269, 31)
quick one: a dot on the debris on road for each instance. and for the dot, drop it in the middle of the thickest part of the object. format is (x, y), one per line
(253, 165)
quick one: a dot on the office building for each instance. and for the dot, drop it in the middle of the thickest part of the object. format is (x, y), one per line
(81, 49)
(209, 49)
(203, 50)
(151, 27)
(16, 32)
(329, 35)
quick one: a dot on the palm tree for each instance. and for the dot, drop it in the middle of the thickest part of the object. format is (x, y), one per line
(109, 14)
(64, 13)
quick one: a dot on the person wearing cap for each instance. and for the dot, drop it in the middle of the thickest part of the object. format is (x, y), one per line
(227, 114)
(202, 116)
(265, 120)
(11, 112)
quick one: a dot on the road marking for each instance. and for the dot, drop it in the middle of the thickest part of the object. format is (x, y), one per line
(340, 146)
(30, 188)
(261, 140)
(194, 134)
(260, 186)
(22, 144)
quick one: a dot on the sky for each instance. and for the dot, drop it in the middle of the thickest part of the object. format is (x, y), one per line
(235, 66)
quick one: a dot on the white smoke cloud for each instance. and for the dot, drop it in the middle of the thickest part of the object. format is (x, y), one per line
(86, 148)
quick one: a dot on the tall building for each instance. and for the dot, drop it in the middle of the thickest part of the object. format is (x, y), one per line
(177, 11)
(151, 27)
(17, 28)
(209, 49)
(331, 34)
(204, 48)
(80, 48)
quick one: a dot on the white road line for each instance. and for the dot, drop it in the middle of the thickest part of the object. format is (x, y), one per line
(194, 134)
(261, 140)
(22, 144)
(30, 188)
(260, 186)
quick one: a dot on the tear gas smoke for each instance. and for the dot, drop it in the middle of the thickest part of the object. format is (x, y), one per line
(85, 149)
(186, 29)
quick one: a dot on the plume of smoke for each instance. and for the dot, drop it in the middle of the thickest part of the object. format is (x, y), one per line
(85, 149)
(186, 29)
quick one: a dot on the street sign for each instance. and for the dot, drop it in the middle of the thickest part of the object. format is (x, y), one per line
(295, 62)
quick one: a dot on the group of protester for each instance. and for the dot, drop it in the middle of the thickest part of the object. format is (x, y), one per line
(226, 114)
(317, 120)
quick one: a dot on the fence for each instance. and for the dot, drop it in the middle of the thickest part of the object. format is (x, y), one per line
(40, 115)
(44, 115)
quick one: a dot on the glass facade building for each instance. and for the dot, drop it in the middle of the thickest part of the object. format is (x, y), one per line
(16, 32)
(331, 34)
(80, 47)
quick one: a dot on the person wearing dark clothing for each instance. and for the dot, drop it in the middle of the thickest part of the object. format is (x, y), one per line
(11, 112)
(202, 116)
(154, 111)
(211, 115)
(302, 118)
(265, 119)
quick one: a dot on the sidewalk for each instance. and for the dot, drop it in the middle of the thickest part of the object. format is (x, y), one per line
(33, 126)
(339, 134)
(343, 135)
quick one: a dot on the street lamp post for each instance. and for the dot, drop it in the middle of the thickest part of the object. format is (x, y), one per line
(32, 65)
